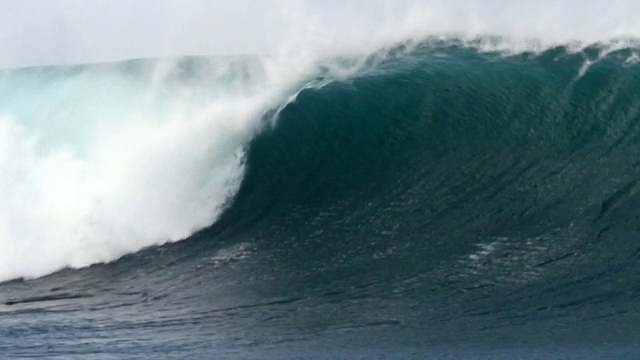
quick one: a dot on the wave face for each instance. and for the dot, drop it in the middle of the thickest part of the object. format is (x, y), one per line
(440, 202)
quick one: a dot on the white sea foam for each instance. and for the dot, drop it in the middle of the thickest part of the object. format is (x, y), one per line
(99, 161)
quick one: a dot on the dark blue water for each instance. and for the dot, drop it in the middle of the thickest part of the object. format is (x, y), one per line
(443, 204)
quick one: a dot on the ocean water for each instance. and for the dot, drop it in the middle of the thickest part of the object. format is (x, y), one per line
(437, 199)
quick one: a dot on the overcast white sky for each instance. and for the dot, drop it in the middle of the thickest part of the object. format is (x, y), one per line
(35, 31)
(63, 31)
(74, 31)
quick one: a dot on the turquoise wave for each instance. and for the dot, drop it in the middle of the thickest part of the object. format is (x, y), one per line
(443, 203)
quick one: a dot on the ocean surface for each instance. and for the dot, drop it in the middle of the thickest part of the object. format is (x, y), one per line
(434, 200)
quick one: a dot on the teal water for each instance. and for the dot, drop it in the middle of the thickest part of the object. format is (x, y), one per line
(444, 203)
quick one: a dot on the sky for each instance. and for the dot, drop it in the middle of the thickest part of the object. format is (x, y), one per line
(37, 32)
(74, 31)
(62, 31)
